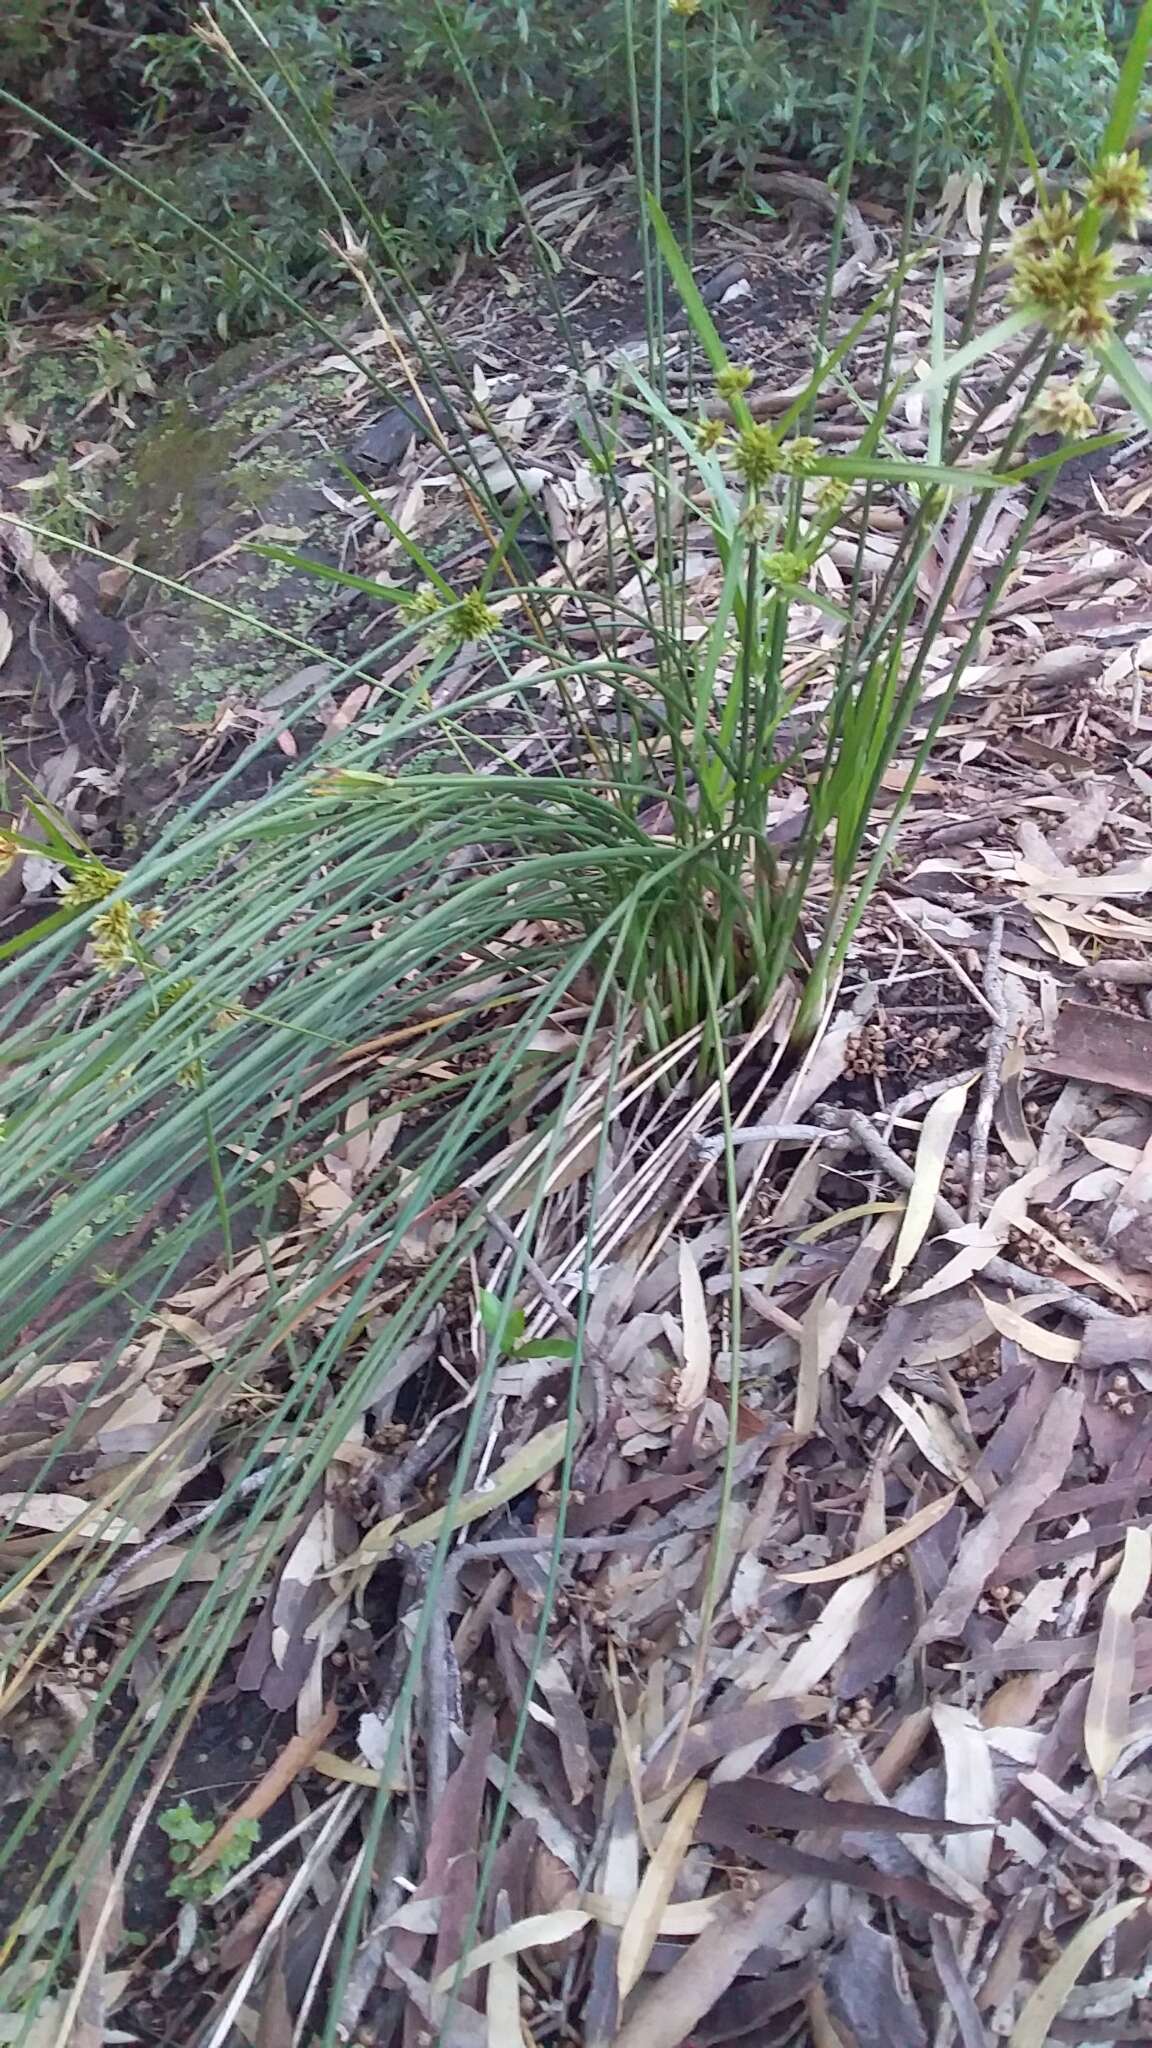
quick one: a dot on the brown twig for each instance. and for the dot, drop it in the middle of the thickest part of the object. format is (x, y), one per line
(101, 1593)
(1000, 1270)
(942, 954)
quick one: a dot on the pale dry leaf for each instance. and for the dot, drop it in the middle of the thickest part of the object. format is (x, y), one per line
(819, 1337)
(656, 1886)
(1107, 1714)
(1125, 1158)
(688, 1916)
(502, 2002)
(935, 1437)
(539, 1930)
(525, 1468)
(869, 1993)
(1023, 1330)
(829, 1315)
(670, 2007)
(969, 1790)
(5, 637)
(1132, 879)
(980, 1242)
(936, 1135)
(875, 1553)
(1067, 1256)
(1038, 1472)
(1048, 1999)
(824, 1644)
(60, 1512)
(1077, 1809)
(692, 1382)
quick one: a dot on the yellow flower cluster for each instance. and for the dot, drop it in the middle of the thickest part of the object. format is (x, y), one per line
(1064, 274)
(457, 621)
(1119, 187)
(1062, 409)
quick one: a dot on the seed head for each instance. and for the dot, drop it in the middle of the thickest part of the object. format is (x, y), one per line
(1119, 186)
(1054, 226)
(757, 456)
(1069, 291)
(1089, 325)
(732, 381)
(472, 619)
(834, 494)
(425, 602)
(685, 8)
(177, 992)
(758, 521)
(789, 566)
(113, 937)
(709, 434)
(1063, 409)
(89, 882)
(798, 455)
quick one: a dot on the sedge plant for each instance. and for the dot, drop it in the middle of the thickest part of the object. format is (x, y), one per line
(487, 981)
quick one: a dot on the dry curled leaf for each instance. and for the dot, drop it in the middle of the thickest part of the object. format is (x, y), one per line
(1050, 1996)
(874, 1553)
(643, 1923)
(936, 1135)
(1039, 1470)
(1106, 1716)
(1029, 1334)
(692, 1383)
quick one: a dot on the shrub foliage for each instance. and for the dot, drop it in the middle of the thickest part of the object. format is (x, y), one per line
(389, 78)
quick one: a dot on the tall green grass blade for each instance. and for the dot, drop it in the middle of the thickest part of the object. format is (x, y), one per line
(1118, 360)
(703, 326)
(1130, 85)
(1012, 99)
(976, 350)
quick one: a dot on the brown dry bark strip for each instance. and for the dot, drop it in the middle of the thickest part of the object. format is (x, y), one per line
(295, 1757)
(707, 1741)
(1093, 1043)
(1026, 1559)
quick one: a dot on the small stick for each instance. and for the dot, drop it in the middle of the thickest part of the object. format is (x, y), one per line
(1001, 1270)
(771, 1134)
(525, 1546)
(942, 954)
(78, 1626)
(997, 1005)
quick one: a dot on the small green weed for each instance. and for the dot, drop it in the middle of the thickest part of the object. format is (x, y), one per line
(507, 1325)
(187, 1835)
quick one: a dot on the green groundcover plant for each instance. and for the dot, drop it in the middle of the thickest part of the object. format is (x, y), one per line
(619, 922)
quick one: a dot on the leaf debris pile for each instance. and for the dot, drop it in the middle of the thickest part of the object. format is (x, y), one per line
(810, 1703)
